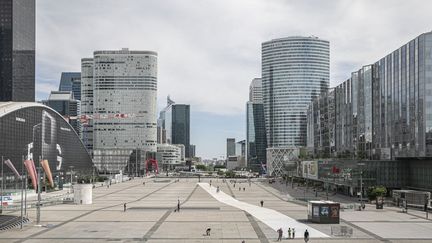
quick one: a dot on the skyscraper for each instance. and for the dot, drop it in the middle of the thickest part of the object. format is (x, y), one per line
(294, 71)
(231, 147)
(124, 108)
(87, 102)
(174, 125)
(256, 143)
(177, 125)
(255, 91)
(17, 50)
(71, 81)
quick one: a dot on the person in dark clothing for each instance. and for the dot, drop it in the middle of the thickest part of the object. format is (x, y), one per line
(124, 207)
(279, 234)
(178, 205)
(262, 203)
(208, 231)
(306, 236)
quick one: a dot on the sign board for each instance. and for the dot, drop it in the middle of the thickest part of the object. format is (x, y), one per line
(310, 169)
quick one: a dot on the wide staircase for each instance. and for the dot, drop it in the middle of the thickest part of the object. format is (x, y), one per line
(9, 222)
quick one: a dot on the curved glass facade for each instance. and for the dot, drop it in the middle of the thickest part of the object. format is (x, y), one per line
(32, 130)
(294, 71)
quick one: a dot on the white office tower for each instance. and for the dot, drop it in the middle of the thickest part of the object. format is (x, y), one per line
(87, 103)
(124, 112)
(255, 91)
(294, 71)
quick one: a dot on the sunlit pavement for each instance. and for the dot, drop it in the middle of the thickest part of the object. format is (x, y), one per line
(150, 217)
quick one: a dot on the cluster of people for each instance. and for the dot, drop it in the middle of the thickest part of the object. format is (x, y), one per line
(291, 234)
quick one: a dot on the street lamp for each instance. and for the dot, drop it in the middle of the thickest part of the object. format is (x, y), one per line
(361, 185)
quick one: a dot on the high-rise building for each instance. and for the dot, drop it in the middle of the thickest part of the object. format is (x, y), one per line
(124, 108)
(17, 50)
(192, 149)
(231, 147)
(71, 81)
(87, 102)
(255, 91)
(256, 142)
(294, 71)
(177, 125)
(64, 103)
(174, 125)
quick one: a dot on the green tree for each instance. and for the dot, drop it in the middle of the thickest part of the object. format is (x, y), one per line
(201, 167)
(230, 174)
(376, 191)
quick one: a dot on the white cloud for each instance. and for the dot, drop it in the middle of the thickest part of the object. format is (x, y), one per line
(210, 50)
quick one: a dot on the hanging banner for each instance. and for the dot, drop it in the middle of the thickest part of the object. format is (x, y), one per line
(31, 170)
(46, 168)
(12, 167)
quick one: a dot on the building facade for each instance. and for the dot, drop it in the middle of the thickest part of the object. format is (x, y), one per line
(71, 81)
(321, 125)
(87, 102)
(177, 126)
(230, 147)
(124, 107)
(169, 156)
(64, 103)
(256, 141)
(255, 91)
(33, 131)
(17, 50)
(294, 71)
(382, 111)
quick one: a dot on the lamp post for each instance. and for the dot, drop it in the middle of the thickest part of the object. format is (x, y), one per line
(71, 174)
(361, 185)
(2, 185)
(22, 192)
(39, 192)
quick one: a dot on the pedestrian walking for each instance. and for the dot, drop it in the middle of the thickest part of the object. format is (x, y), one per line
(262, 203)
(279, 234)
(289, 233)
(306, 236)
(124, 207)
(143, 183)
(293, 232)
(244, 189)
(208, 231)
(217, 189)
(239, 188)
(210, 182)
(178, 205)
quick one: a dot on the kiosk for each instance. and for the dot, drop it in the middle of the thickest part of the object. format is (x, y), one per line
(323, 212)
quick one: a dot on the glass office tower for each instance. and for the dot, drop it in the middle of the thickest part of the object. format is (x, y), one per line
(17, 50)
(294, 71)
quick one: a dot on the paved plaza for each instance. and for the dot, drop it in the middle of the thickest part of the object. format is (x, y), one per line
(151, 217)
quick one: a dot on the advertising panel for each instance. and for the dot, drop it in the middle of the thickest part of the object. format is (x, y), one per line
(310, 169)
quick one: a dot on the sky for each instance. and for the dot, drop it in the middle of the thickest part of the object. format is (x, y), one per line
(210, 50)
